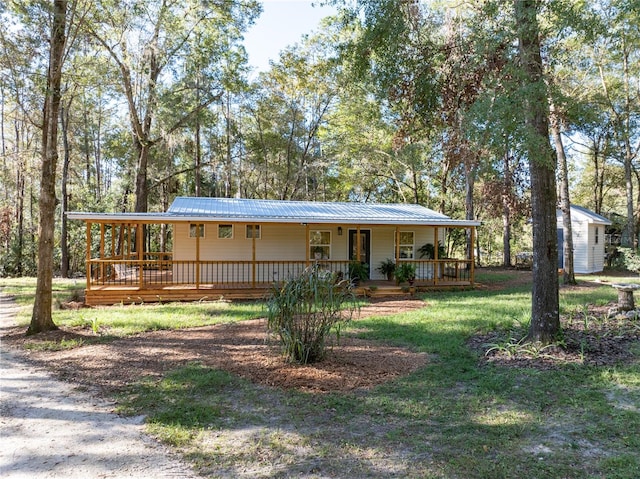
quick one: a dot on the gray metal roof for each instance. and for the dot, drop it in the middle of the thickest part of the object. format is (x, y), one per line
(278, 211)
(306, 211)
(590, 216)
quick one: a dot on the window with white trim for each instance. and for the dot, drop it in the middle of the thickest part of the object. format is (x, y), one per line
(407, 244)
(320, 244)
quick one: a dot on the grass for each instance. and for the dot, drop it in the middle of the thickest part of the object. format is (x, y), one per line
(455, 417)
(118, 321)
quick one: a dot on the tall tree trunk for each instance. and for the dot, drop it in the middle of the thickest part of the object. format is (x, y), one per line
(41, 319)
(568, 273)
(506, 212)
(470, 171)
(141, 187)
(64, 243)
(630, 238)
(545, 317)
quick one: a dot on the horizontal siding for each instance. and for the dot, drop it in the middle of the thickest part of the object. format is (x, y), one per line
(288, 242)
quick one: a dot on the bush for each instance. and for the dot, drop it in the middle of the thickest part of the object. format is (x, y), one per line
(304, 310)
(628, 259)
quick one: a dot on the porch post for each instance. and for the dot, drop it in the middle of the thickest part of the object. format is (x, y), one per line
(473, 254)
(436, 247)
(397, 252)
(113, 240)
(197, 256)
(308, 246)
(102, 251)
(88, 259)
(253, 256)
(358, 244)
(139, 247)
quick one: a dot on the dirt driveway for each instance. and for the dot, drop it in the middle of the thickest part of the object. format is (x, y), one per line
(49, 429)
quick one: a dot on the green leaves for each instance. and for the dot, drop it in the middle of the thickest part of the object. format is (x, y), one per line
(304, 310)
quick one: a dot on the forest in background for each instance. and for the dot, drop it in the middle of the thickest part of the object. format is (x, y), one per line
(421, 103)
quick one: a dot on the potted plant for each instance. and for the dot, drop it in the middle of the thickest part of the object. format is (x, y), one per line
(428, 251)
(358, 271)
(405, 272)
(388, 268)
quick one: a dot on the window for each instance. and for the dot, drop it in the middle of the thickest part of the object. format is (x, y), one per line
(320, 244)
(225, 231)
(406, 244)
(597, 234)
(253, 231)
(196, 230)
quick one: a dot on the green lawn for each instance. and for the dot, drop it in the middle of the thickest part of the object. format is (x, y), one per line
(456, 417)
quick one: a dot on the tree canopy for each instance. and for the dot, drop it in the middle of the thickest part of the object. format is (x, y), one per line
(436, 103)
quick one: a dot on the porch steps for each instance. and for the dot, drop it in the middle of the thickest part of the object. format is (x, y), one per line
(385, 291)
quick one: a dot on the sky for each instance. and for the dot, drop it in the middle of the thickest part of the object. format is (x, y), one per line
(282, 23)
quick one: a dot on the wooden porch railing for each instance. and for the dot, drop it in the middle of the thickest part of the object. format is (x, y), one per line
(220, 274)
(441, 271)
(162, 271)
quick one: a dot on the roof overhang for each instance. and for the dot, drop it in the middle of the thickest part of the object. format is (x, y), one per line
(154, 218)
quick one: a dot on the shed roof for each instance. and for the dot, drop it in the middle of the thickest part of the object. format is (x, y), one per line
(584, 214)
(279, 211)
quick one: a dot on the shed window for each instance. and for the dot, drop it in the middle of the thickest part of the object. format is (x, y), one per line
(225, 231)
(597, 234)
(196, 230)
(253, 231)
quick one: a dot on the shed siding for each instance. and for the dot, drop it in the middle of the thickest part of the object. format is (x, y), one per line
(588, 257)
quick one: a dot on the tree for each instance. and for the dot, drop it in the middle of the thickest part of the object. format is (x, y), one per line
(568, 274)
(41, 319)
(545, 316)
(617, 55)
(151, 43)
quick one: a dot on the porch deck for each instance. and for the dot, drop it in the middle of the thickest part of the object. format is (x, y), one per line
(115, 281)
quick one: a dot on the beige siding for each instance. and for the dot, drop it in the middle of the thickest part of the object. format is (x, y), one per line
(285, 242)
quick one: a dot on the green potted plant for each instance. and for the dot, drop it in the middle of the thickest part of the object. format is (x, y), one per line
(358, 271)
(428, 251)
(405, 272)
(388, 268)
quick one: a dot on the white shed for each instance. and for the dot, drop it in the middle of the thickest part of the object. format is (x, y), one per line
(588, 240)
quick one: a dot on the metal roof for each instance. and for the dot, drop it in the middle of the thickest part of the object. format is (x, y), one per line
(589, 215)
(278, 211)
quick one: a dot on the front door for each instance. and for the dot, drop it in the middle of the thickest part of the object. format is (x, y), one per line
(365, 246)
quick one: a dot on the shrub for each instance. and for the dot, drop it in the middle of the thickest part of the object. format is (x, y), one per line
(628, 259)
(304, 310)
(405, 272)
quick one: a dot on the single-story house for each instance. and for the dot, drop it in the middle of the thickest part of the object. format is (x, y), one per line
(588, 240)
(212, 247)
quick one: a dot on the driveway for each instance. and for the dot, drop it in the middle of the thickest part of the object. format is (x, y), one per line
(48, 429)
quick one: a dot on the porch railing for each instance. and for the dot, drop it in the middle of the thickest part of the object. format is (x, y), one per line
(441, 271)
(163, 272)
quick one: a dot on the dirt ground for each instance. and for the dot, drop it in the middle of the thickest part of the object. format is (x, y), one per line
(245, 349)
(242, 348)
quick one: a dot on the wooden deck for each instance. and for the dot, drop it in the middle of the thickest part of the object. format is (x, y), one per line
(131, 294)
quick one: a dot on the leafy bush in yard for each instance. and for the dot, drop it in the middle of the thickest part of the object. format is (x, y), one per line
(302, 312)
(628, 259)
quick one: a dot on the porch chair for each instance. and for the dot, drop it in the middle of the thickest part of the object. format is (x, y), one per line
(124, 272)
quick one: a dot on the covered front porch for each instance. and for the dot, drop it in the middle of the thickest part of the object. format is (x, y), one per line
(117, 273)
(175, 257)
